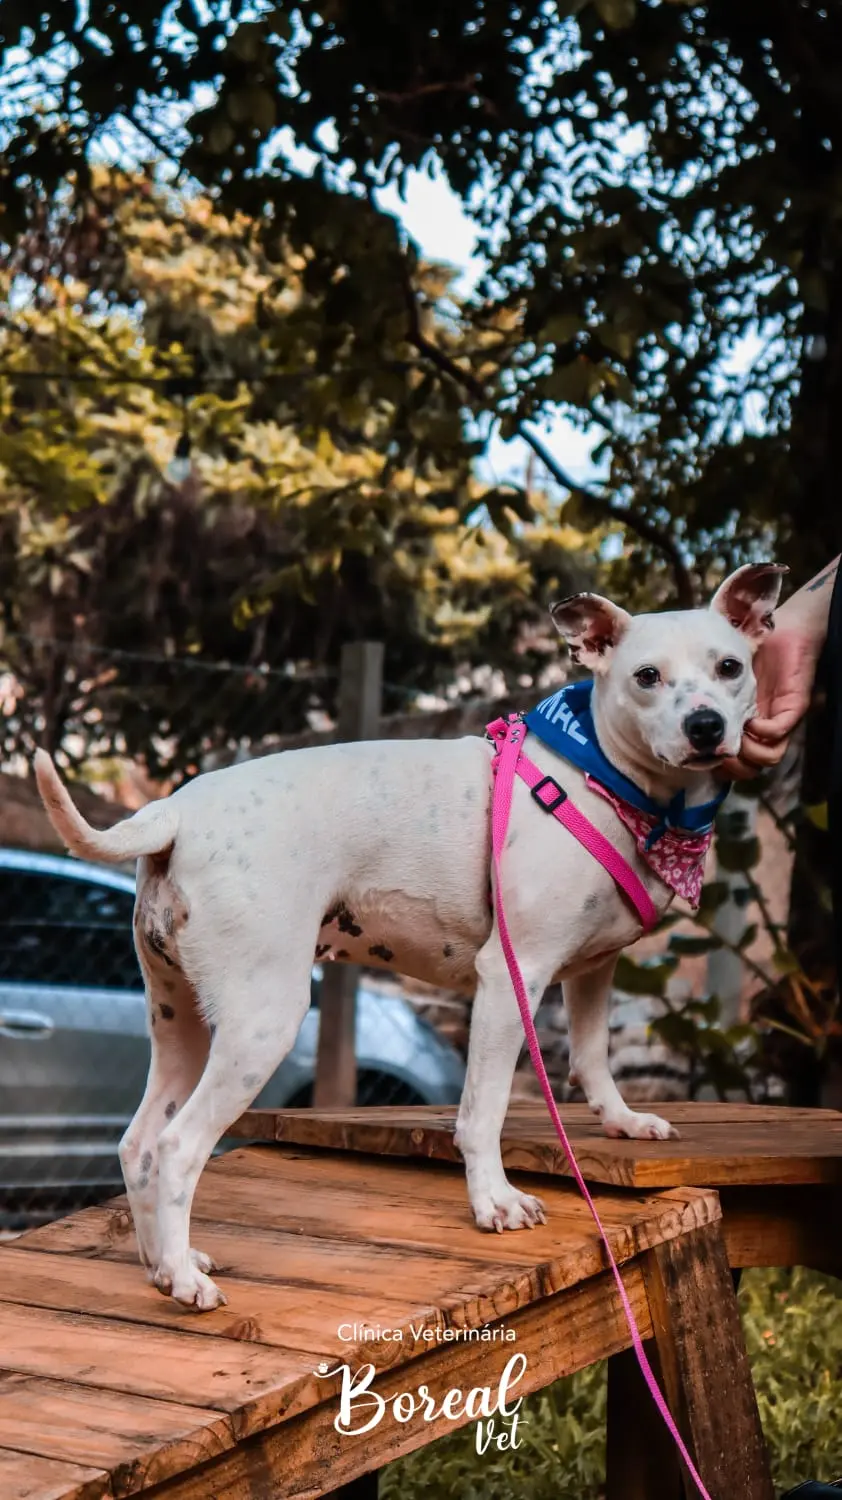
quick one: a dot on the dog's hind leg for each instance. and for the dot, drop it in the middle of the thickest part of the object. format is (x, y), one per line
(180, 1040)
(256, 1022)
(495, 1041)
(587, 1000)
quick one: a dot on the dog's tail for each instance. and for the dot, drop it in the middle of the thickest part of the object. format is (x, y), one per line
(152, 830)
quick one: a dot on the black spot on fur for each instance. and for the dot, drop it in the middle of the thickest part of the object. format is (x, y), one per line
(171, 1109)
(167, 1012)
(212, 1029)
(342, 953)
(322, 949)
(169, 924)
(251, 1080)
(169, 985)
(591, 902)
(146, 1161)
(379, 950)
(344, 919)
(155, 941)
(447, 950)
(143, 1182)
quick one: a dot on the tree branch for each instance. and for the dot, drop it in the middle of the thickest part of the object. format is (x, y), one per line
(608, 510)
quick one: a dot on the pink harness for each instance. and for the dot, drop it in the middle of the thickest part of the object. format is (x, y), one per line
(508, 736)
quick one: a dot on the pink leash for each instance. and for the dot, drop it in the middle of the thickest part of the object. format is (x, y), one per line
(509, 736)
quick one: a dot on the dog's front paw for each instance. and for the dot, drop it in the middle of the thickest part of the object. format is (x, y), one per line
(190, 1286)
(508, 1209)
(637, 1127)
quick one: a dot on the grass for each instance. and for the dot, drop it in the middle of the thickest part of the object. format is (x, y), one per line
(793, 1328)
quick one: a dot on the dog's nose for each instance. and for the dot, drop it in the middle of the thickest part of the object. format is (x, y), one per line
(705, 729)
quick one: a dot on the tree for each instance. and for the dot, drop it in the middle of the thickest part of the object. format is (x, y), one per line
(316, 511)
(657, 186)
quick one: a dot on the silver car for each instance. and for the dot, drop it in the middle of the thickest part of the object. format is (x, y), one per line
(74, 1051)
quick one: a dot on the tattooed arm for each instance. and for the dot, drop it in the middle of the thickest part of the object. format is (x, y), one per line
(785, 666)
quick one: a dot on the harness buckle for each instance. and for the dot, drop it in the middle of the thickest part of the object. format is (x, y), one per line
(561, 795)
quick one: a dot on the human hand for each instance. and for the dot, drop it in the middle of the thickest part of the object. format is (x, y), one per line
(784, 668)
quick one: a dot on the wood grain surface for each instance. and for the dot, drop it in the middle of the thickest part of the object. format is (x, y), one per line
(719, 1144)
(109, 1390)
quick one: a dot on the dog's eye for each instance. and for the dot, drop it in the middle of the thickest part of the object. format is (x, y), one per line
(647, 677)
(729, 667)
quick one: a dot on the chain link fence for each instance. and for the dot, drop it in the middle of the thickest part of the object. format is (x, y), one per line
(74, 1050)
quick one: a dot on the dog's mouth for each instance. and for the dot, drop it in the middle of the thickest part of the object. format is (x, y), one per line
(702, 761)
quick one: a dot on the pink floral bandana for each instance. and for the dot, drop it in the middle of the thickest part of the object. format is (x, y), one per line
(678, 859)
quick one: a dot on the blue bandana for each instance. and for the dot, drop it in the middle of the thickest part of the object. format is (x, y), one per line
(565, 723)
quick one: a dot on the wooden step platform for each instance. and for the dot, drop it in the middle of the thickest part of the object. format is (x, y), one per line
(718, 1145)
(109, 1390)
(778, 1170)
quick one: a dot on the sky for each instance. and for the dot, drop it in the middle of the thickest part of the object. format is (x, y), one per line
(435, 219)
(433, 216)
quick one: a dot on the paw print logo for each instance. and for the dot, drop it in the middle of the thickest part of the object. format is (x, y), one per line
(323, 1367)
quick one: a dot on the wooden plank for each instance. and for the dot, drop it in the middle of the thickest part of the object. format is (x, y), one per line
(371, 1207)
(640, 1454)
(106, 1354)
(797, 1225)
(308, 1457)
(480, 1278)
(141, 1441)
(77, 1315)
(23, 1476)
(682, 1111)
(313, 1193)
(707, 1377)
(274, 1255)
(747, 1144)
(258, 1312)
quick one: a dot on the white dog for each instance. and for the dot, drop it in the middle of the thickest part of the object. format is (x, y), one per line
(379, 852)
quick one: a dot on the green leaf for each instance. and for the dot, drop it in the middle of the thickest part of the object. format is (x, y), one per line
(620, 341)
(617, 14)
(738, 855)
(748, 937)
(686, 946)
(817, 815)
(785, 962)
(714, 894)
(619, 386)
(677, 1031)
(643, 979)
(563, 327)
(571, 383)
(219, 136)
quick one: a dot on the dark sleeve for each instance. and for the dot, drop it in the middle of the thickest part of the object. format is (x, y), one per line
(831, 671)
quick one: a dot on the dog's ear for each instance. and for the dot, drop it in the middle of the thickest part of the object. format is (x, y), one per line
(592, 627)
(748, 599)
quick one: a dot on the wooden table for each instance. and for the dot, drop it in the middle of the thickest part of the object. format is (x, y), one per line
(778, 1171)
(109, 1390)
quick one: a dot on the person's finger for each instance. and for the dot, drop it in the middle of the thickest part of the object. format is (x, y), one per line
(778, 727)
(755, 753)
